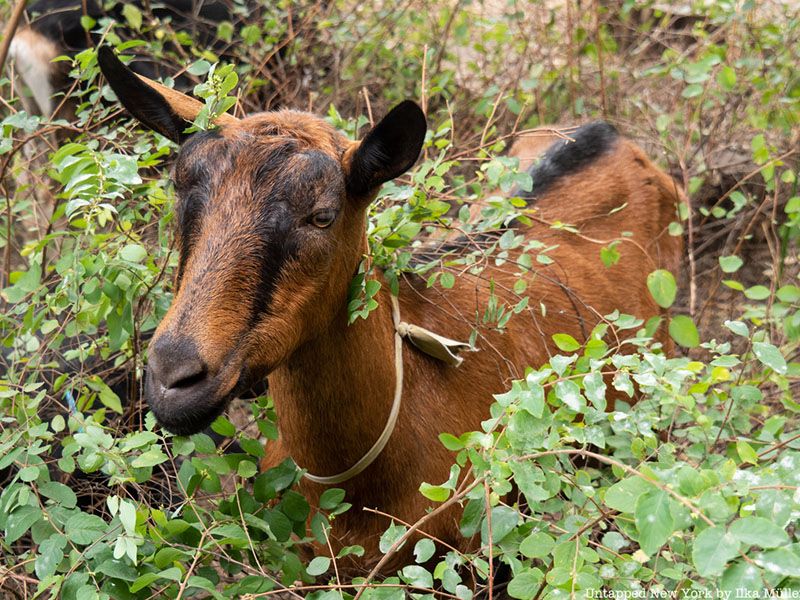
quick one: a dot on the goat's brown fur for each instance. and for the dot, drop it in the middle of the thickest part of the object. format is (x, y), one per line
(347, 374)
(333, 383)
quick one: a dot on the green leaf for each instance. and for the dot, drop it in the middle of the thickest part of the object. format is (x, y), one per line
(371, 287)
(781, 561)
(712, 550)
(610, 255)
(690, 482)
(109, 398)
(251, 34)
(789, 293)
(654, 520)
(225, 31)
(623, 495)
(730, 264)
(683, 330)
(20, 520)
(471, 519)
(134, 253)
(436, 493)
(320, 526)
(566, 342)
(757, 292)
(58, 424)
(614, 540)
(390, 536)
(560, 363)
(504, 520)
(203, 443)
(537, 545)
(230, 533)
(152, 457)
(51, 553)
(318, 566)
(30, 473)
(331, 498)
(525, 584)
(692, 91)
(528, 477)
(87, 22)
(143, 438)
(726, 78)
(570, 394)
(662, 286)
(594, 388)
(118, 569)
(166, 556)
(447, 280)
(31, 279)
(143, 581)
(746, 452)
(770, 356)
(423, 550)
(127, 516)
(417, 576)
(59, 493)
(246, 468)
(451, 442)
(199, 68)
(171, 574)
(742, 578)
(738, 328)
(295, 506)
(84, 529)
(132, 15)
(351, 550)
(733, 284)
(253, 447)
(758, 531)
(224, 427)
(532, 400)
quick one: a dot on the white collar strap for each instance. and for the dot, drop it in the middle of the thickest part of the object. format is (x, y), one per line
(381, 442)
(437, 346)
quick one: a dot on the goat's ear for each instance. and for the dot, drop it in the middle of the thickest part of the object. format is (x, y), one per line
(158, 107)
(390, 149)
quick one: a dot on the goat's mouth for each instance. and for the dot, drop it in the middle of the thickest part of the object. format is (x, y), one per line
(193, 405)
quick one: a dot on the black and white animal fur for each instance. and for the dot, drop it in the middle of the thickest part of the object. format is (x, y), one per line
(54, 29)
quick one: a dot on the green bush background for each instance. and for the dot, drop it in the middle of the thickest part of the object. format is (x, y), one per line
(694, 489)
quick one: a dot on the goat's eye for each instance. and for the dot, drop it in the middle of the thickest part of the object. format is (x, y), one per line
(322, 218)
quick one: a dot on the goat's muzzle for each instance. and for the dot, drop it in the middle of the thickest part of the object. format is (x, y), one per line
(183, 392)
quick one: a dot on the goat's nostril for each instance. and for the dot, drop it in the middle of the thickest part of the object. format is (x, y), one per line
(187, 381)
(175, 363)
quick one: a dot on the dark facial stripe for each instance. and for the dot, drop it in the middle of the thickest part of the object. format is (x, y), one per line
(199, 157)
(274, 159)
(284, 187)
(276, 250)
(191, 208)
(296, 181)
(200, 150)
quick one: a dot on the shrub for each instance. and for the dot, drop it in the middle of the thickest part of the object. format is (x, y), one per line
(692, 490)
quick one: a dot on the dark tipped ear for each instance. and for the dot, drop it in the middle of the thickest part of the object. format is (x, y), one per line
(390, 149)
(142, 101)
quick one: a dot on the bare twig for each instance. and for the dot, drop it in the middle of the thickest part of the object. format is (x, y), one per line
(454, 499)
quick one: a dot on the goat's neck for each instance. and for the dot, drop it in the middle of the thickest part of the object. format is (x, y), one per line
(333, 396)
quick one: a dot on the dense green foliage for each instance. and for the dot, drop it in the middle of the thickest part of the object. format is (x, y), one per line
(694, 488)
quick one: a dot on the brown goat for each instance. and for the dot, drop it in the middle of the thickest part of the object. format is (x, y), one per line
(271, 216)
